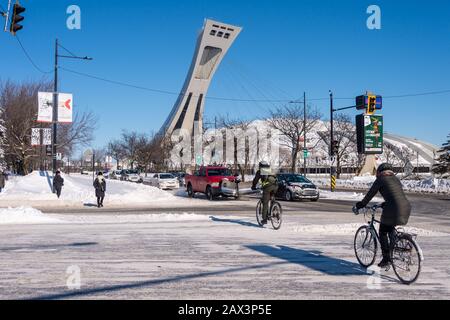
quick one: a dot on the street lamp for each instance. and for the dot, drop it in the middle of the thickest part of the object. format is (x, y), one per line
(55, 99)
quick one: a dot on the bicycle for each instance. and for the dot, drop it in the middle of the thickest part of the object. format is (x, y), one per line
(405, 253)
(275, 213)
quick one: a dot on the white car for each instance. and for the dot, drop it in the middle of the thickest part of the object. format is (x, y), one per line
(165, 181)
(116, 174)
(132, 176)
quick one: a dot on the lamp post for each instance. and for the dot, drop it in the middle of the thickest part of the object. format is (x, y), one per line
(55, 101)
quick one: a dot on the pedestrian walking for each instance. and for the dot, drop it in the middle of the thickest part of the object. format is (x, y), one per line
(58, 183)
(100, 188)
(2, 180)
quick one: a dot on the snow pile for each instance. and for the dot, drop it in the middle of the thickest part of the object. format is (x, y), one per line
(350, 196)
(429, 185)
(78, 188)
(351, 228)
(25, 215)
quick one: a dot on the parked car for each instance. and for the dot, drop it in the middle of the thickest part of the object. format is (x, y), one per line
(116, 175)
(164, 181)
(296, 187)
(131, 175)
(213, 181)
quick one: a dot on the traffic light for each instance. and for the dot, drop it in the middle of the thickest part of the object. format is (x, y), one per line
(16, 18)
(361, 103)
(334, 148)
(372, 105)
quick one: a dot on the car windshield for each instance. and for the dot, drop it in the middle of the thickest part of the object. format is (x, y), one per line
(219, 172)
(296, 178)
(166, 176)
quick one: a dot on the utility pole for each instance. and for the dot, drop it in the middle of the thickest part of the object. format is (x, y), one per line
(55, 111)
(93, 165)
(6, 15)
(305, 150)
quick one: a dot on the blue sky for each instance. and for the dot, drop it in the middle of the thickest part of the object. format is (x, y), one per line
(286, 47)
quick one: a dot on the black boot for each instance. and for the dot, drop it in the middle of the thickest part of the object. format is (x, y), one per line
(385, 262)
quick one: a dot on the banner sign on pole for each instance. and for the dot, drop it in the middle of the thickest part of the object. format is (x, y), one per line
(47, 136)
(45, 107)
(65, 108)
(369, 134)
(35, 137)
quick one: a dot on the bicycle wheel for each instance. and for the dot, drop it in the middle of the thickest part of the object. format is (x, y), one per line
(259, 216)
(276, 213)
(366, 246)
(406, 259)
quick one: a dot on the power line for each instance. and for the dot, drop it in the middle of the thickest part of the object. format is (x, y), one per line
(125, 84)
(29, 57)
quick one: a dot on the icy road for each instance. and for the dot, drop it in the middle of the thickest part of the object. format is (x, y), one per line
(208, 253)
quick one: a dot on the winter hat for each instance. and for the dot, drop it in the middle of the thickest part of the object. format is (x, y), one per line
(385, 167)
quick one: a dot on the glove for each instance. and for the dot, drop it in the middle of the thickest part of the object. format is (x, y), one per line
(360, 205)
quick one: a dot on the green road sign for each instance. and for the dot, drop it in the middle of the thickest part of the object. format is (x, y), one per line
(198, 160)
(370, 134)
(305, 153)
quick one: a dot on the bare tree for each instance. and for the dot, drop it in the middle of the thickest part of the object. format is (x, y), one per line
(116, 151)
(79, 133)
(130, 144)
(238, 125)
(289, 120)
(19, 116)
(147, 151)
(344, 133)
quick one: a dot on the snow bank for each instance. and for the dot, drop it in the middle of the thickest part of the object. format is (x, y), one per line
(79, 189)
(25, 215)
(351, 228)
(429, 185)
(350, 196)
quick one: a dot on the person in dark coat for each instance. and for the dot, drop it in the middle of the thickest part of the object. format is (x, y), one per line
(2, 180)
(58, 183)
(100, 189)
(269, 186)
(396, 209)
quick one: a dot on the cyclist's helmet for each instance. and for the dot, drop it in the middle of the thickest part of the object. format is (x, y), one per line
(264, 168)
(264, 164)
(385, 167)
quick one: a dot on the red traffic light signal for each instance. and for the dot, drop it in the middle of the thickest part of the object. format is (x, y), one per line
(16, 18)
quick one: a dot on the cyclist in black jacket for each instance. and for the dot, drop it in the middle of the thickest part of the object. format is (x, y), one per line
(396, 209)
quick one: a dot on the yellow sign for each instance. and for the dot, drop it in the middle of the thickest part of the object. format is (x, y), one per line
(333, 183)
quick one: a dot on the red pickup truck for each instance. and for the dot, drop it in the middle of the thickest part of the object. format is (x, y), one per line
(213, 181)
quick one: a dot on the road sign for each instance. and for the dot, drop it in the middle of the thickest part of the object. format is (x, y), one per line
(305, 153)
(369, 132)
(198, 160)
(48, 150)
(333, 183)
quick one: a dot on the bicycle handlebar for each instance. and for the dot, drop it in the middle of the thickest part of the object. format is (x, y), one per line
(373, 208)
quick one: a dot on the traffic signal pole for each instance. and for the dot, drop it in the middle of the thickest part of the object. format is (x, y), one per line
(304, 134)
(332, 151)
